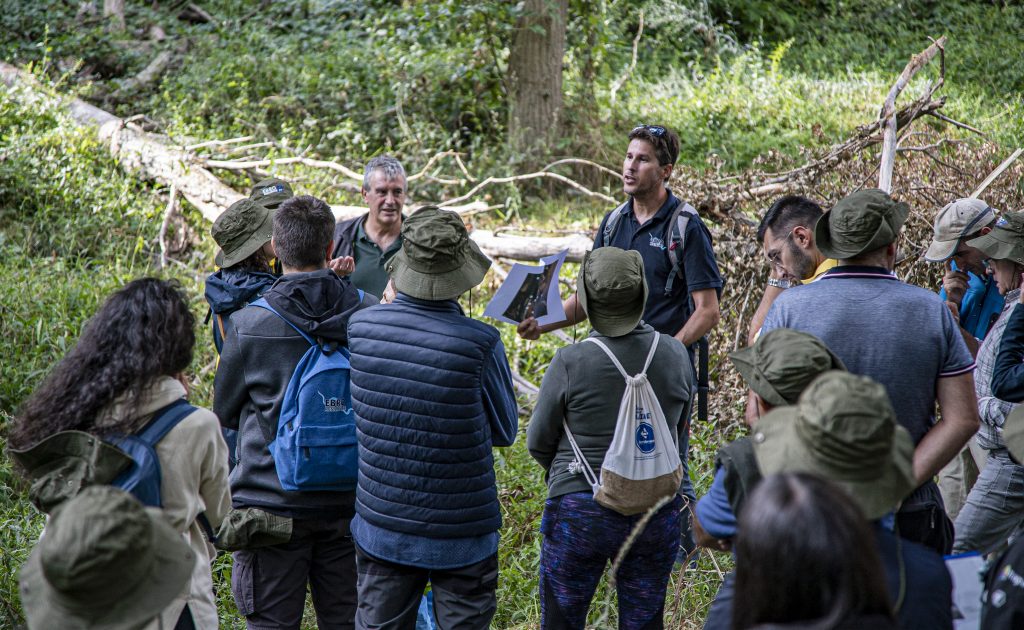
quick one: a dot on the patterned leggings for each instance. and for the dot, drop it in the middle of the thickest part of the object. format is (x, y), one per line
(580, 537)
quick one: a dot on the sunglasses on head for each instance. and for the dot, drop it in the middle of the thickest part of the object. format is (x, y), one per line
(655, 130)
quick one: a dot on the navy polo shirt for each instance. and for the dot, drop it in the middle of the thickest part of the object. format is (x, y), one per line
(667, 313)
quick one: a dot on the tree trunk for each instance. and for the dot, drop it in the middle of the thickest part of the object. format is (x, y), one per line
(535, 70)
(113, 11)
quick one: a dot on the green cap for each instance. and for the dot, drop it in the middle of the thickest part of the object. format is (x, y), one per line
(612, 290)
(861, 222)
(271, 192)
(64, 463)
(438, 260)
(844, 430)
(241, 230)
(1005, 241)
(105, 562)
(249, 528)
(782, 363)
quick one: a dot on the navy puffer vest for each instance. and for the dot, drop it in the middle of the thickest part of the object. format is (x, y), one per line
(425, 462)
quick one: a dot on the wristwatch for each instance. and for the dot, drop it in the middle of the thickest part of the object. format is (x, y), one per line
(780, 283)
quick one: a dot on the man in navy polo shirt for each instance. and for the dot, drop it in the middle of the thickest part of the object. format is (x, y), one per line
(682, 301)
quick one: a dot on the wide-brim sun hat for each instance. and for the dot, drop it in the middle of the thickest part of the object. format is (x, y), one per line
(271, 192)
(438, 260)
(782, 363)
(612, 290)
(956, 221)
(241, 230)
(111, 565)
(843, 429)
(861, 222)
(1005, 241)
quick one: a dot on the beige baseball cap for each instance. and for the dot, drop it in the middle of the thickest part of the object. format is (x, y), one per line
(953, 223)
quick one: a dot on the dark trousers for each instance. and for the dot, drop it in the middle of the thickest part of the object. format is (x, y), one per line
(580, 537)
(269, 583)
(389, 594)
(720, 614)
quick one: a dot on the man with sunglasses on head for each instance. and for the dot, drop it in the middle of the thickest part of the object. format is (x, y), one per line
(676, 247)
(786, 234)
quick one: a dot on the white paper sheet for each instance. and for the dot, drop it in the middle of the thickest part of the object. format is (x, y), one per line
(530, 291)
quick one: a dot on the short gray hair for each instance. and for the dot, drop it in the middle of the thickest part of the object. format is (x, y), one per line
(391, 167)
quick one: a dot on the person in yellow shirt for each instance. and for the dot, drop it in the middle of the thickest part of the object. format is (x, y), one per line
(786, 234)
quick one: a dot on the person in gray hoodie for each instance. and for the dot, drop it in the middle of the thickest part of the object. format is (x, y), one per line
(261, 351)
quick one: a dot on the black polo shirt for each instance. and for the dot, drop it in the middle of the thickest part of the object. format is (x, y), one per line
(667, 313)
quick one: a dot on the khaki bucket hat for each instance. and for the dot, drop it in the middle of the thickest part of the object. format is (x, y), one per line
(241, 230)
(782, 363)
(612, 290)
(843, 429)
(956, 221)
(861, 222)
(1005, 241)
(438, 260)
(104, 563)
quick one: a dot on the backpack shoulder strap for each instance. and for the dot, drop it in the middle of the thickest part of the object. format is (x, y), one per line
(622, 370)
(612, 222)
(677, 240)
(164, 420)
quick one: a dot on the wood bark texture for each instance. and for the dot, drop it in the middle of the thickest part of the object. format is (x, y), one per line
(535, 70)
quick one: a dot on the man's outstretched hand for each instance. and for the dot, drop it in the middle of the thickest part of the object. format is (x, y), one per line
(342, 266)
(529, 329)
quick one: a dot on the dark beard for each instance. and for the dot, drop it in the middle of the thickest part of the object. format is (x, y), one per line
(803, 264)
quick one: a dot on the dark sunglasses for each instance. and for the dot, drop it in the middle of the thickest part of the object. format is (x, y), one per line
(655, 130)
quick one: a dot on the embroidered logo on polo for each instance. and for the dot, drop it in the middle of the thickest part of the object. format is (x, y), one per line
(657, 243)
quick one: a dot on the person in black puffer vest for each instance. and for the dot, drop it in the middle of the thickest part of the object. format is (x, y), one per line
(432, 392)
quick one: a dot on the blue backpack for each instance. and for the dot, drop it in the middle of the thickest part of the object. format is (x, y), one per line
(315, 444)
(142, 478)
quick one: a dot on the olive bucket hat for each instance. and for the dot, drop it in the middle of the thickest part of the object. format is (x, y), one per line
(438, 260)
(241, 230)
(844, 430)
(612, 290)
(104, 563)
(271, 192)
(782, 363)
(1005, 241)
(861, 222)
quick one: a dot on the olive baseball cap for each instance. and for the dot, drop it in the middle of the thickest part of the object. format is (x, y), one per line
(861, 222)
(271, 192)
(612, 290)
(241, 230)
(438, 260)
(1005, 241)
(842, 429)
(782, 363)
(956, 221)
(105, 562)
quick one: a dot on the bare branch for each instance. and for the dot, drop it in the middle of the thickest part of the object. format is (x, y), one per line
(632, 62)
(172, 196)
(996, 173)
(957, 123)
(241, 165)
(599, 167)
(518, 178)
(217, 143)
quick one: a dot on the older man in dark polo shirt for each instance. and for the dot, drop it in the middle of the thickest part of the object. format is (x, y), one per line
(364, 245)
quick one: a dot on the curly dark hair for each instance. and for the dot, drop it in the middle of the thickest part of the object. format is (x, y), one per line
(143, 331)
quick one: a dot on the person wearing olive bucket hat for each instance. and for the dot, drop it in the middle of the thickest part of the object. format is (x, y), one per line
(995, 505)
(432, 393)
(844, 430)
(777, 368)
(902, 336)
(583, 389)
(104, 563)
